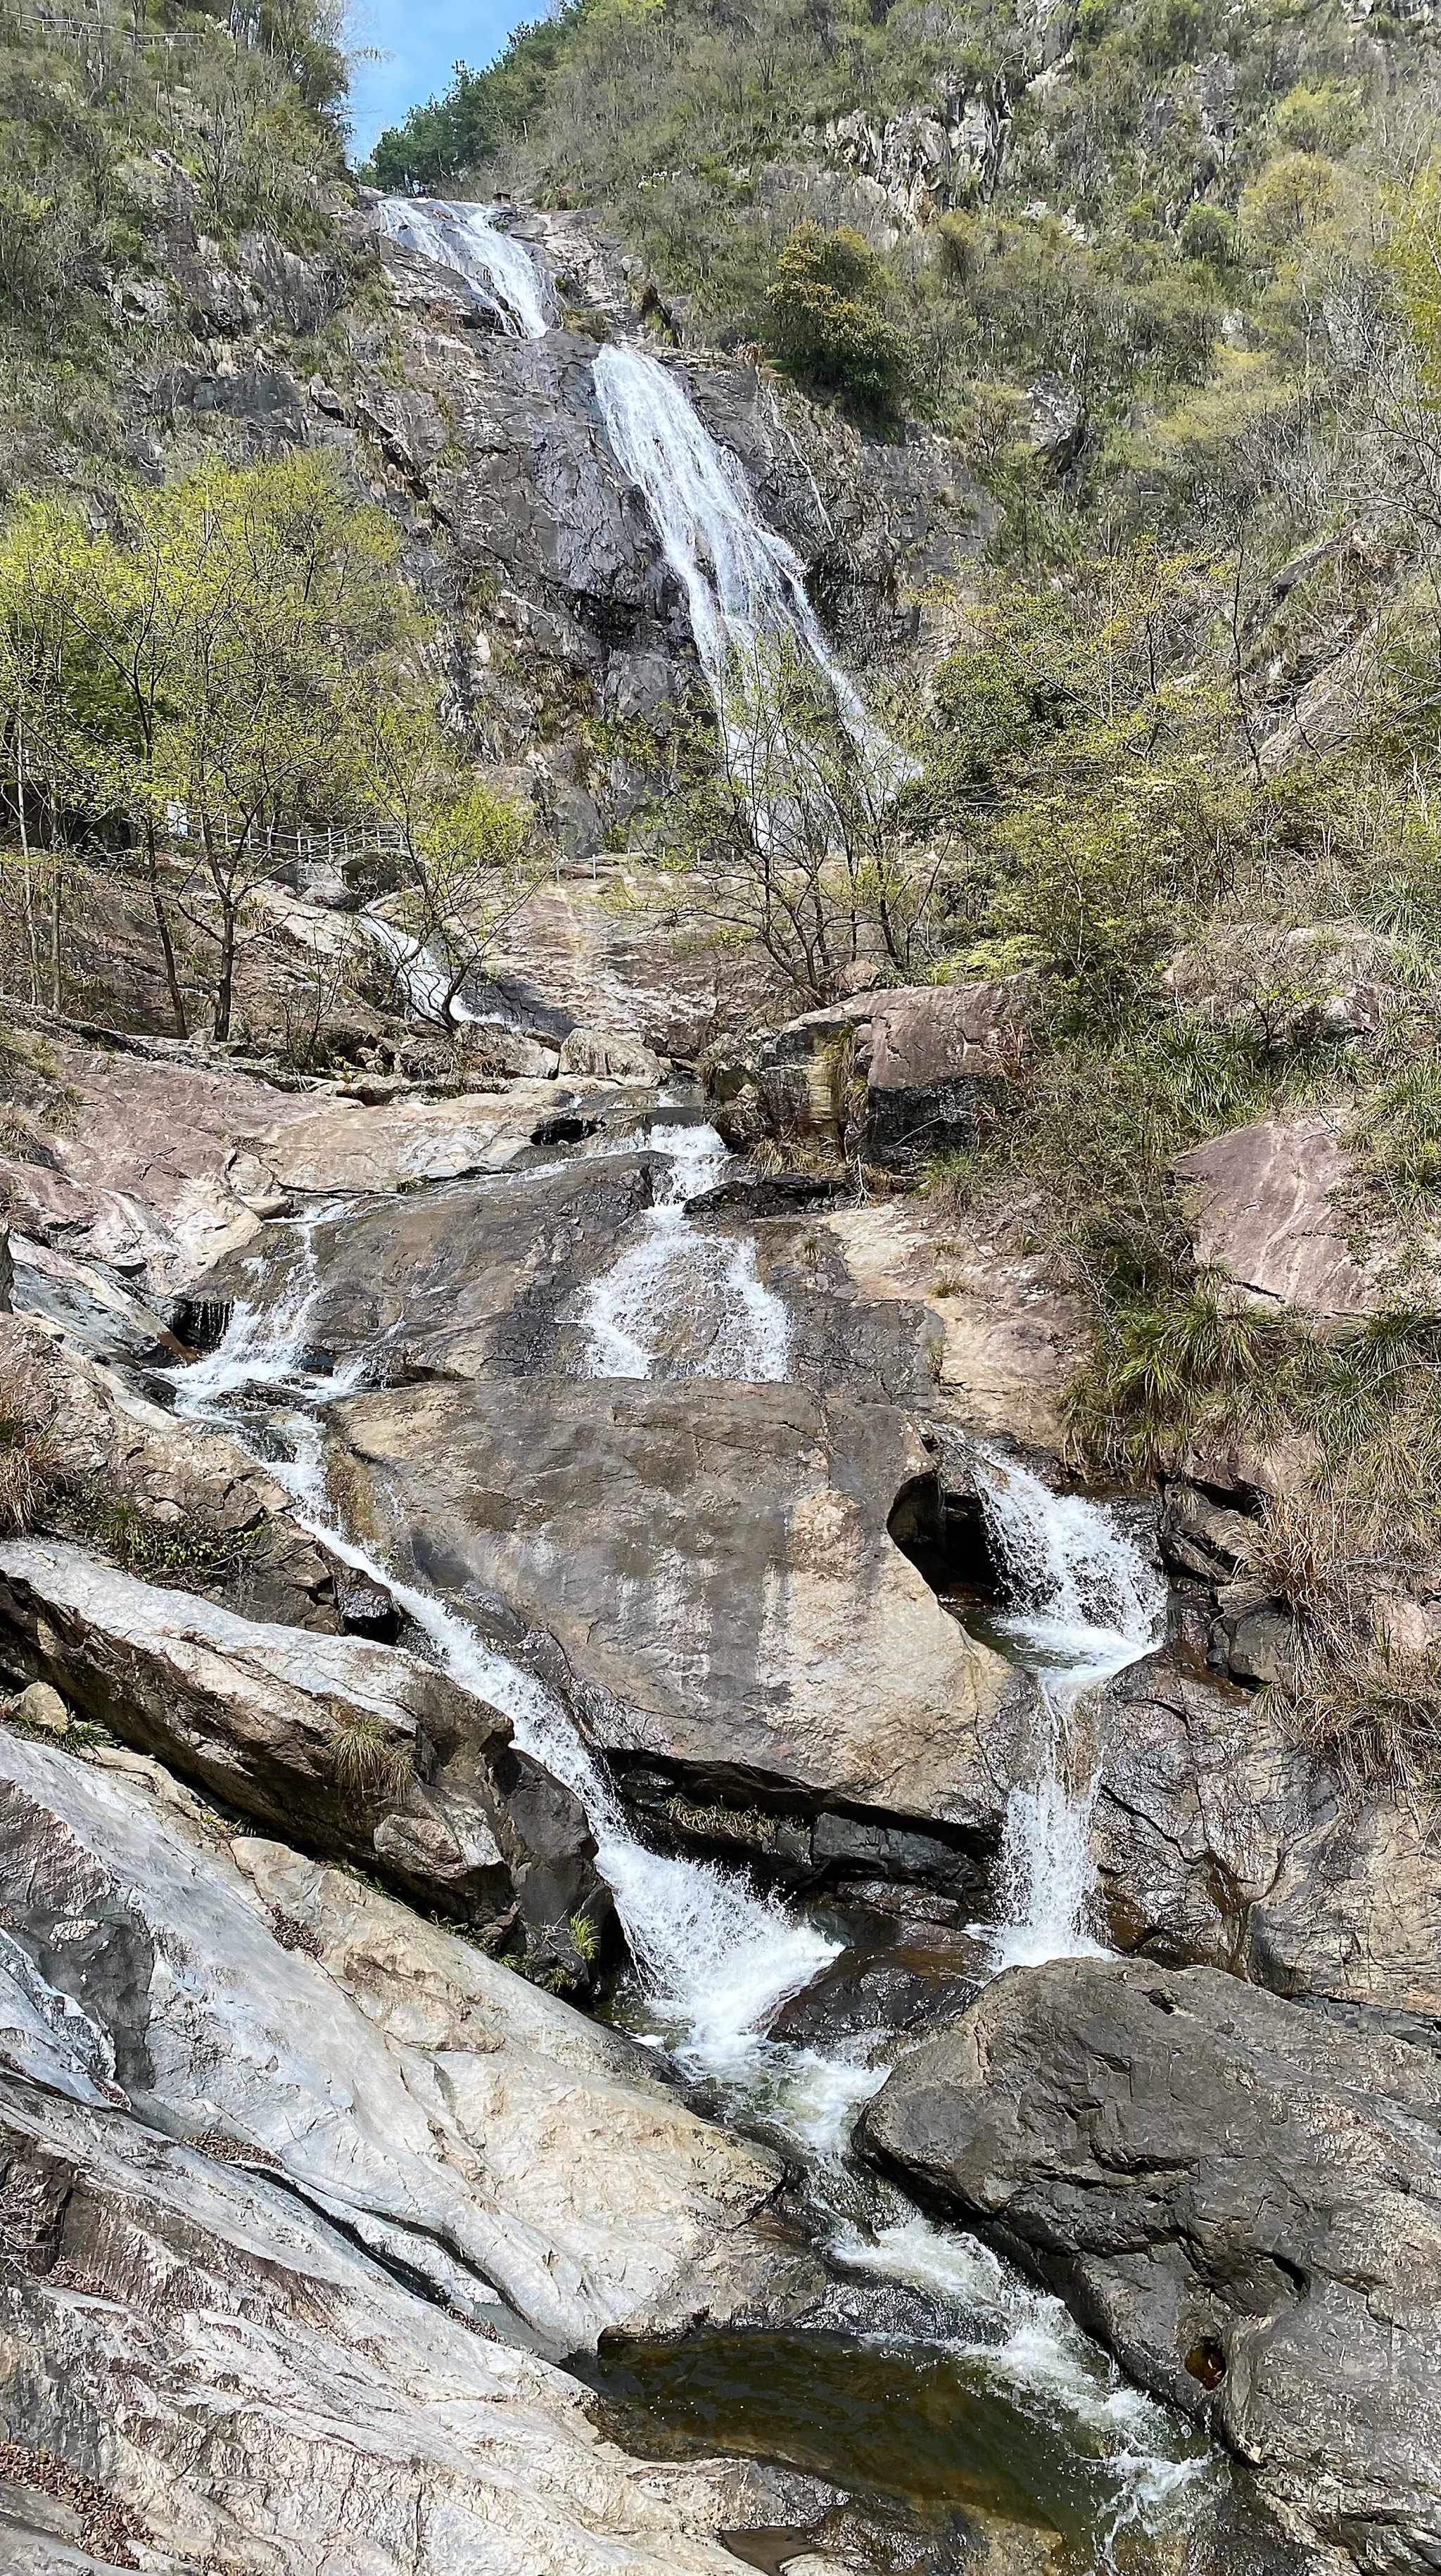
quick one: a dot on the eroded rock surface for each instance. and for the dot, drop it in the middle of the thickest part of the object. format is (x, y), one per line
(187, 1503)
(466, 2127)
(153, 1174)
(357, 1747)
(1242, 2198)
(1279, 1206)
(712, 1559)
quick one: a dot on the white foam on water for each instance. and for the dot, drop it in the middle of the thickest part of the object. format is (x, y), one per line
(499, 270)
(1027, 2341)
(1085, 1602)
(715, 1957)
(679, 1302)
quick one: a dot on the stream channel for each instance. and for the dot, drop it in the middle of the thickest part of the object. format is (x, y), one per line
(936, 2383)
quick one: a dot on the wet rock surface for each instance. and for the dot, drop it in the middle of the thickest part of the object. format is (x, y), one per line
(467, 1283)
(1240, 2196)
(188, 1504)
(475, 2135)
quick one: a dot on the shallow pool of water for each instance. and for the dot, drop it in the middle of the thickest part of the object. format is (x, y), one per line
(905, 2423)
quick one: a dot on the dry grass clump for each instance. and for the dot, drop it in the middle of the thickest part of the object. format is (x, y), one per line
(1354, 1569)
(25, 1475)
(366, 1765)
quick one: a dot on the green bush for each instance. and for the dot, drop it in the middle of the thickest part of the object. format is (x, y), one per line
(828, 320)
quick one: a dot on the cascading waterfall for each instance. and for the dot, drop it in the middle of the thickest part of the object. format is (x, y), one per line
(745, 587)
(500, 272)
(680, 1296)
(1085, 1603)
(716, 1959)
(422, 972)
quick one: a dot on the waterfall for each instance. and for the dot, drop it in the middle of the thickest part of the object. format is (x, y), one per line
(694, 1303)
(423, 973)
(1084, 1604)
(717, 1959)
(500, 272)
(744, 585)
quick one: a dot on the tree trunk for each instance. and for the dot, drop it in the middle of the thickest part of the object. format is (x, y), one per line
(167, 944)
(32, 948)
(226, 979)
(57, 977)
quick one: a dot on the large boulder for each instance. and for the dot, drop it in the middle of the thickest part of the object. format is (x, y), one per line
(342, 1146)
(713, 1561)
(1006, 1339)
(1241, 2198)
(1279, 1208)
(893, 1075)
(290, 2181)
(521, 2159)
(462, 1283)
(161, 1497)
(929, 1056)
(358, 1747)
(1220, 1838)
(151, 1171)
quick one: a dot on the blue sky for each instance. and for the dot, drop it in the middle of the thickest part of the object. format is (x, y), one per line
(421, 40)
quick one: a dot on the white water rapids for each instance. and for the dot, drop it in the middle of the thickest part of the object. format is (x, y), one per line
(716, 1958)
(466, 239)
(679, 1302)
(1084, 1603)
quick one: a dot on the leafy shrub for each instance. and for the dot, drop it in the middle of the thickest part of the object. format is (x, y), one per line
(828, 320)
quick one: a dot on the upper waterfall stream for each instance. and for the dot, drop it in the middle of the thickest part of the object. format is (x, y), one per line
(716, 1959)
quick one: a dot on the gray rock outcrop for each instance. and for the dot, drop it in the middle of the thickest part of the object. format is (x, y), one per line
(359, 1748)
(1241, 2198)
(713, 1562)
(1278, 1206)
(892, 1075)
(291, 2181)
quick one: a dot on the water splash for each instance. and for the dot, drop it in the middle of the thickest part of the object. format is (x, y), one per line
(1085, 1602)
(745, 587)
(680, 1302)
(1027, 2341)
(501, 273)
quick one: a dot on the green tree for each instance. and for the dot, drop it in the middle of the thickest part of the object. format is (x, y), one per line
(467, 855)
(828, 320)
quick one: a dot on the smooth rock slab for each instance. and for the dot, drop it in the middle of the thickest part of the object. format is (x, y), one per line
(713, 1560)
(1239, 2196)
(457, 2120)
(1267, 1204)
(339, 1146)
(257, 2395)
